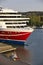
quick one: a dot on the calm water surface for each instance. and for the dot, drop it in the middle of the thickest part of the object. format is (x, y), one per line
(35, 43)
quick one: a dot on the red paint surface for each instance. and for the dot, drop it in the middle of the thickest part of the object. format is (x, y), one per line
(15, 35)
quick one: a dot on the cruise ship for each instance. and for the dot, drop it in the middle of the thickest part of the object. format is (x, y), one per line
(13, 27)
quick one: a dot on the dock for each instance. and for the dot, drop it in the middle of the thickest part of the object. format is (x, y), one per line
(5, 47)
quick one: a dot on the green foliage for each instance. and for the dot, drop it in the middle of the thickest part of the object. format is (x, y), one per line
(35, 23)
(35, 19)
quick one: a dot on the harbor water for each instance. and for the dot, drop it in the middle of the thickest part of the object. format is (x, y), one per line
(35, 43)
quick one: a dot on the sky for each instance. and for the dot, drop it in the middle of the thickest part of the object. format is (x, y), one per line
(23, 5)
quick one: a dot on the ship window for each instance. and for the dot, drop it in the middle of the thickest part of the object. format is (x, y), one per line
(9, 27)
(8, 23)
(18, 26)
(14, 27)
(9, 13)
(11, 23)
(15, 23)
(21, 23)
(18, 16)
(22, 26)
(11, 20)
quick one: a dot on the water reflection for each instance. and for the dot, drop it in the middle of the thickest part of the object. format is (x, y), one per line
(22, 53)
